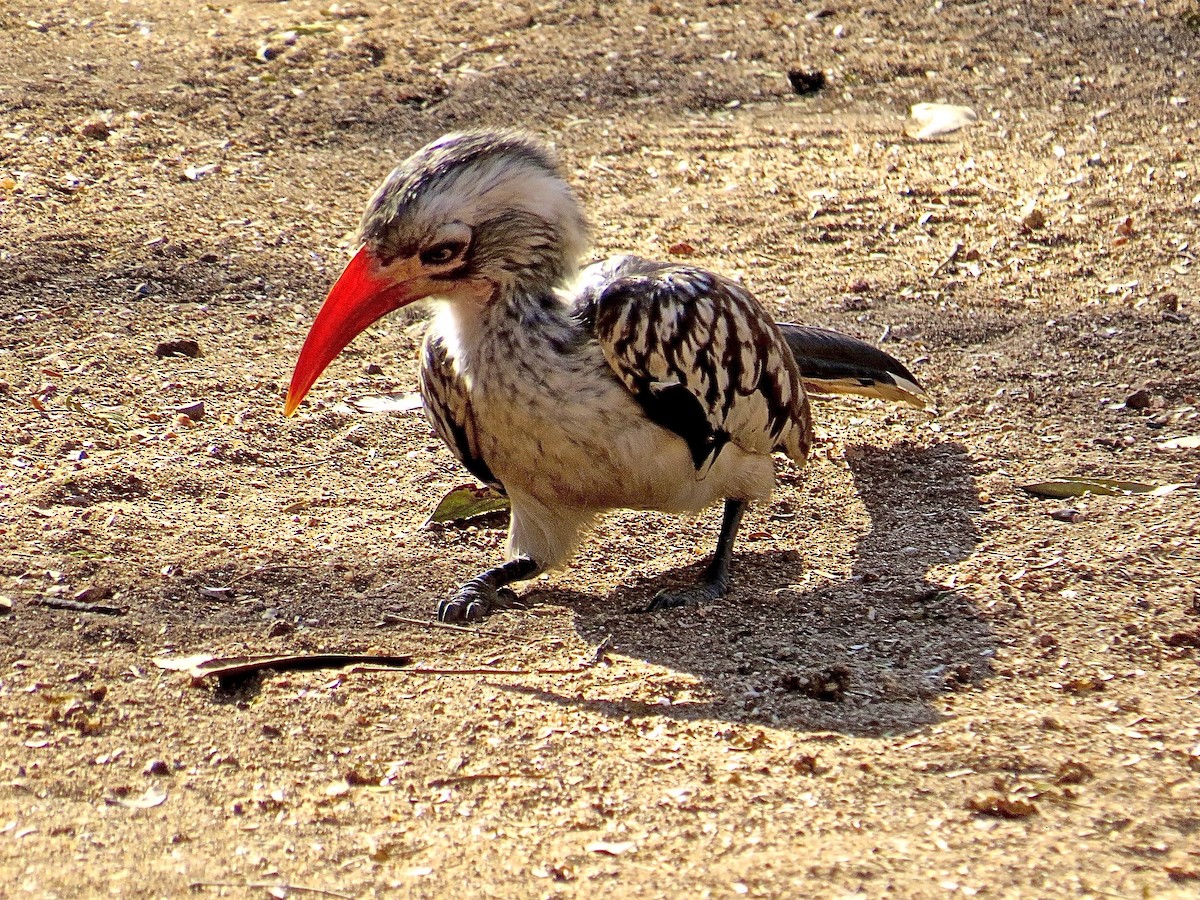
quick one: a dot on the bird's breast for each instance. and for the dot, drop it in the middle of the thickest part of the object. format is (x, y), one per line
(551, 420)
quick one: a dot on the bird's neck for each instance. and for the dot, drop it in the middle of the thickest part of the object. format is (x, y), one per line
(516, 327)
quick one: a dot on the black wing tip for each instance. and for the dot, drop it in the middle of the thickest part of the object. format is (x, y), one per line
(835, 363)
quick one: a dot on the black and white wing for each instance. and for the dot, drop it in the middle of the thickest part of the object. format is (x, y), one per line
(449, 410)
(700, 355)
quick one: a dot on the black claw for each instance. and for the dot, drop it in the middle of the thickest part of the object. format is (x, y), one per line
(483, 595)
(664, 599)
(475, 601)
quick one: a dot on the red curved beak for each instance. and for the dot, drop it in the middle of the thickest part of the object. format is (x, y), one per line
(359, 298)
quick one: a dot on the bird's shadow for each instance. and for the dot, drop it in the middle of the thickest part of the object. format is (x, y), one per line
(866, 655)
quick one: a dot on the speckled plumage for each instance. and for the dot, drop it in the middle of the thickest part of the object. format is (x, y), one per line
(637, 385)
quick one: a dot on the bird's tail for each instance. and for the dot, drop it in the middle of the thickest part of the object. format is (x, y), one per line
(835, 363)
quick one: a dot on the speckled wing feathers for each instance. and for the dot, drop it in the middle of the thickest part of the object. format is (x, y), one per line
(701, 356)
(449, 410)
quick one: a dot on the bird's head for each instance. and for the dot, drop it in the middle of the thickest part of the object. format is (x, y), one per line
(468, 219)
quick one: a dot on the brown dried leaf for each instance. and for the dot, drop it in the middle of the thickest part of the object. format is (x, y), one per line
(1074, 772)
(1001, 807)
(740, 742)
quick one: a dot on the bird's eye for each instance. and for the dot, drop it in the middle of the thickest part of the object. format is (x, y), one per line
(440, 254)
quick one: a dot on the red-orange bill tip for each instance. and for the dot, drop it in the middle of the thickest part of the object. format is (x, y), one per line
(357, 299)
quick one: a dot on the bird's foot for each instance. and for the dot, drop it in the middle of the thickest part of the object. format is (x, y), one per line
(704, 592)
(475, 601)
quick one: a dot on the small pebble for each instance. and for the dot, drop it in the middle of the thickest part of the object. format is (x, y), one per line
(806, 81)
(280, 628)
(1066, 515)
(181, 347)
(96, 130)
(1138, 400)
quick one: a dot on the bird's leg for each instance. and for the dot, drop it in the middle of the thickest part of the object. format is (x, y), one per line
(487, 592)
(715, 581)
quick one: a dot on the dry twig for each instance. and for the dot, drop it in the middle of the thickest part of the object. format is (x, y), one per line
(266, 886)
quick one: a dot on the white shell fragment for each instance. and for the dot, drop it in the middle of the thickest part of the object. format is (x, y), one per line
(935, 119)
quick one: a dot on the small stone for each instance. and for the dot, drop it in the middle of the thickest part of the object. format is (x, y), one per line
(1034, 220)
(156, 767)
(806, 81)
(374, 369)
(96, 130)
(1066, 515)
(181, 347)
(1138, 400)
(280, 628)
(92, 593)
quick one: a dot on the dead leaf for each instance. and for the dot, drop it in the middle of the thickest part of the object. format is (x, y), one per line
(1001, 807)
(1085, 684)
(681, 248)
(109, 418)
(466, 502)
(1060, 488)
(740, 742)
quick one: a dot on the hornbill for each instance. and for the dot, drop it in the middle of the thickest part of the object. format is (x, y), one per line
(634, 384)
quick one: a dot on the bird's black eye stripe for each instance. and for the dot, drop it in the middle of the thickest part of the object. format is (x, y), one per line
(440, 254)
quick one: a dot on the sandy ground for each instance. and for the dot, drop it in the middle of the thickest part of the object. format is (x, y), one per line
(926, 682)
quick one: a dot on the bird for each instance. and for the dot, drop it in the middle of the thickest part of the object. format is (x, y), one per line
(628, 384)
